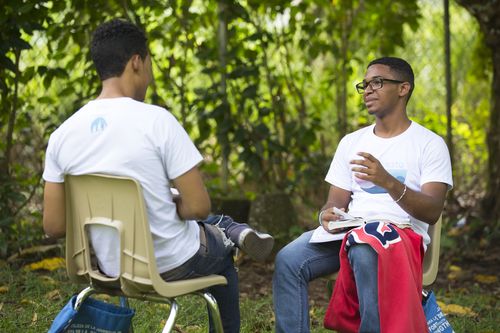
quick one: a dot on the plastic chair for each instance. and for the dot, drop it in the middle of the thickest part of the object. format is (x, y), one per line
(431, 258)
(118, 202)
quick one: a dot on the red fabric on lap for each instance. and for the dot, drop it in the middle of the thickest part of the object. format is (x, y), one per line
(400, 256)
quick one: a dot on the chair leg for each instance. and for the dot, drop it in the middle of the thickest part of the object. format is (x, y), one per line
(214, 311)
(171, 317)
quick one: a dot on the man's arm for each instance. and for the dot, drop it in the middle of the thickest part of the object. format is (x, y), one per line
(193, 202)
(425, 205)
(337, 197)
(54, 218)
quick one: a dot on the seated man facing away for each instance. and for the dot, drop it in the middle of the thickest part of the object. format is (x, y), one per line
(393, 170)
(118, 134)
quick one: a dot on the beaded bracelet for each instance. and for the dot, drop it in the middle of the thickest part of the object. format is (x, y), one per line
(402, 195)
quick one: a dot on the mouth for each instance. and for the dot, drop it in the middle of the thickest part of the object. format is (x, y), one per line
(369, 102)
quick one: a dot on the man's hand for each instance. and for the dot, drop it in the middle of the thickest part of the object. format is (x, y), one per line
(425, 205)
(327, 215)
(370, 169)
(337, 197)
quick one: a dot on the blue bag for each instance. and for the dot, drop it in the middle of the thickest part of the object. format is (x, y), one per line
(93, 316)
(436, 319)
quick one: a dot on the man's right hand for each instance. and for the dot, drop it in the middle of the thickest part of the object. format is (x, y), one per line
(328, 215)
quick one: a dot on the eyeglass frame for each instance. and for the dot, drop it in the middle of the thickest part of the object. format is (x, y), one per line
(364, 84)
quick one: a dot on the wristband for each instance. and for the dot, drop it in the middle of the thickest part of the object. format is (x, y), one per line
(402, 195)
(320, 218)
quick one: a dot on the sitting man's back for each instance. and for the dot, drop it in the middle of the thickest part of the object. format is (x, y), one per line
(120, 135)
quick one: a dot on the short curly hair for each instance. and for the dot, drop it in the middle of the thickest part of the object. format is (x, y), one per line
(113, 44)
(401, 68)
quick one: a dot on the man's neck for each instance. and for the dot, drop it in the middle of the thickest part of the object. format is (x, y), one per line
(114, 88)
(389, 127)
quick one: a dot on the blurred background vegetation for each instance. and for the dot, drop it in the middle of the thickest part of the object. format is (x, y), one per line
(266, 90)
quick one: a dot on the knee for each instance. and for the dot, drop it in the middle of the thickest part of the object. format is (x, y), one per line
(363, 256)
(285, 261)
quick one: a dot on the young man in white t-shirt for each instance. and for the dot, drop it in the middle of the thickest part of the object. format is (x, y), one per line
(392, 170)
(120, 135)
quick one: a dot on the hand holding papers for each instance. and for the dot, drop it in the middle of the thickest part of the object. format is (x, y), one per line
(320, 235)
(347, 221)
(338, 229)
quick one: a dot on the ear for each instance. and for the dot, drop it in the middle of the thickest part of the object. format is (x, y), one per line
(136, 62)
(404, 89)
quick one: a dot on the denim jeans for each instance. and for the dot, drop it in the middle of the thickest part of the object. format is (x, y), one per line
(300, 262)
(364, 264)
(214, 257)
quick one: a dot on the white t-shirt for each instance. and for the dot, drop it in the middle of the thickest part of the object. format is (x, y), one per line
(124, 137)
(415, 157)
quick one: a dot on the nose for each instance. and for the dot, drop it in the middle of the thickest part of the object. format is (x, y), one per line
(368, 90)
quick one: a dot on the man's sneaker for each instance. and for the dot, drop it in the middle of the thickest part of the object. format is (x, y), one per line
(257, 245)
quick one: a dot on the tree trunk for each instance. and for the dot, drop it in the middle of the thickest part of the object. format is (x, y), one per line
(222, 46)
(487, 14)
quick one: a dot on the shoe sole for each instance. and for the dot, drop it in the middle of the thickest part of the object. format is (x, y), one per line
(258, 246)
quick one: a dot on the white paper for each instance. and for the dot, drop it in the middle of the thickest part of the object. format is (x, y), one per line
(320, 235)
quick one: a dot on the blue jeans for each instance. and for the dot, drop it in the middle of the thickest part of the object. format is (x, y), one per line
(300, 262)
(214, 257)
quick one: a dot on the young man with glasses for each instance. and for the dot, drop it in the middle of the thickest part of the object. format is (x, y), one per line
(394, 170)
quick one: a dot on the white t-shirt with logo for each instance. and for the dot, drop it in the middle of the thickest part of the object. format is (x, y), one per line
(415, 157)
(124, 137)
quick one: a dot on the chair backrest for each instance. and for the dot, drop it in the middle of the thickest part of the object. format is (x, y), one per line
(117, 202)
(431, 258)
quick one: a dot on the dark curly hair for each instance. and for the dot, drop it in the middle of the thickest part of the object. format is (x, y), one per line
(400, 67)
(113, 44)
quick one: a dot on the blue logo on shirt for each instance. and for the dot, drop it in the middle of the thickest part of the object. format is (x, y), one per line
(98, 125)
(369, 187)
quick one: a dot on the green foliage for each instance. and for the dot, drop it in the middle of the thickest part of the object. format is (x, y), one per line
(266, 105)
(20, 143)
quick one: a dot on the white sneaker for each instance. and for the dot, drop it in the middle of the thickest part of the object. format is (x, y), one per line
(257, 245)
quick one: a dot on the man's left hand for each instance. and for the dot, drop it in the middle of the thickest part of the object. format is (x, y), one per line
(370, 169)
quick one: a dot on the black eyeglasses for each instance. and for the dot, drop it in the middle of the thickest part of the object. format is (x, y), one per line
(375, 84)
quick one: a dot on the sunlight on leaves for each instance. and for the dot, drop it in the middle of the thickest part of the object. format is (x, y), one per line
(486, 278)
(33, 250)
(187, 329)
(49, 264)
(47, 280)
(27, 302)
(53, 294)
(454, 232)
(455, 309)
(4, 289)
(103, 297)
(455, 272)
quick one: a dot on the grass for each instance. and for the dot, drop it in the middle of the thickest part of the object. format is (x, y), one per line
(30, 300)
